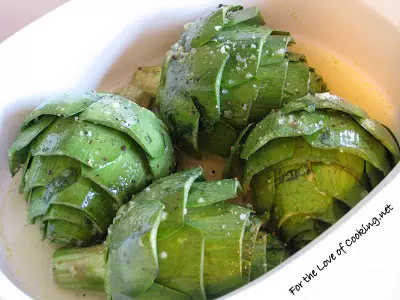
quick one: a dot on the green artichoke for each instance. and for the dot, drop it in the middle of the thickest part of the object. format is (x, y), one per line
(228, 70)
(174, 240)
(313, 160)
(83, 156)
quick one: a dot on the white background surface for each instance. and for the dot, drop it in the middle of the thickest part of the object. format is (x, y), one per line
(15, 14)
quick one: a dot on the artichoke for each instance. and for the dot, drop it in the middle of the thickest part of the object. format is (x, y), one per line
(83, 156)
(225, 71)
(313, 160)
(177, 239)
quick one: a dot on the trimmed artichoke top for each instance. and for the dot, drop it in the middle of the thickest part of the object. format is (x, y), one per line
(176, 239)
(310, 162)
(228, 70)
(83, 156)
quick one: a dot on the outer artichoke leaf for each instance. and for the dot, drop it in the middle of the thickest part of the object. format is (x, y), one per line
(209, 192)
(259, 260)
(276, 252)
(126, 175)
(304, 153)
(205, 28)
(91, 144)
(173, 192)
(126, 116)
(375, 176)
(269, 97)
(234, 160)
(59, 231)
(25, 167)
(244, 44)
(219, 139)
(272, 153)
(249, 16)
(158, 291)
(290, 200)
(181, 261)
(236, 102)
(263, 191)
(68, 214)
(277, 125)
(246, 271)
(323, 101)
(336, 182)
(293, 56)
(87, 197)
(224, 225)
(44, 169)
(317, 84)
(132, 263)
(274, 49)
(42, 196)
(381, 134)
(203, 80)
(249, 240)
(297, 78)
(184, 118)
(303, 238)
(18, 152)
(297, 224)
(165, 164)
(66, 105)
(344, 133)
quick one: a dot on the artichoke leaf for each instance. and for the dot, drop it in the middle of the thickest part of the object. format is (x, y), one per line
(249, 16)
(181, 261)
(381, 134)
(172, 192)
(209, 192)
(87, 197)
(126, 116)
(323, 101)
(344, 133)
(158, 291)
(62, 232)
(205, 28)
(44, 169)
(126, 175)
(274, 49)
(259, 260)
(132, 265)
(244, 44)
(67, 105)
(264, 191)
(236, 102)
(297, 77)
(272, 77)
(224, 226)
(277, 125)
(41, 197)
(219, 139)
(18, 152)
(276, 252)
(88, 143)
(336, 182)
(274, 152)
(304, 153)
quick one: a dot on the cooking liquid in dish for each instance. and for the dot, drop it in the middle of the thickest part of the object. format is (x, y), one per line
(27, 260)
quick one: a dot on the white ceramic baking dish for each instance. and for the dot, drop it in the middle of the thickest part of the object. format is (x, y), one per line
(92, 44)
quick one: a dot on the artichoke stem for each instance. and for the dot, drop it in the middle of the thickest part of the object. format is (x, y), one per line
(80, 268)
